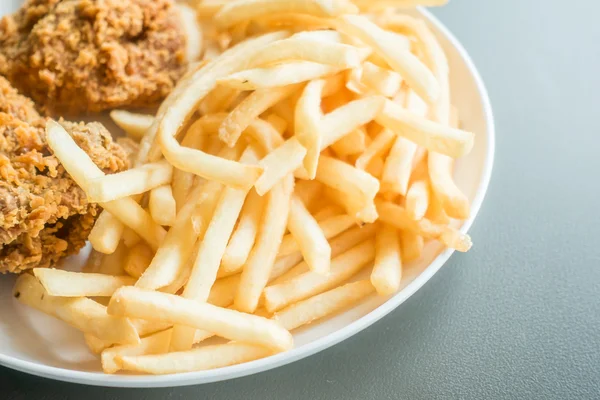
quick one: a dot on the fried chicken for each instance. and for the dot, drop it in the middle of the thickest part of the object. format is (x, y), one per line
(44, 215)
(74, 56)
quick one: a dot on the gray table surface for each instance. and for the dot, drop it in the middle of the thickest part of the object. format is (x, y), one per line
(516, 317)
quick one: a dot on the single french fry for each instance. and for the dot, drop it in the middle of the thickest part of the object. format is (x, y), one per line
(387, 270)
(106, 233)
(137, 261)
(309, 237)
(162, 205)
(279, 163)
(431, 135)
(82, 169)
(348, 118)
(313, 49)
(241, 10)
(134, 125)
(411, 246)
(249, 109)
(203, 358)
(307, 124)
(322, 305)
(80, 312)
(330, 227)
(157, 343)
(257, 270)
(383, 43)
(311, 283)
(417, 199)
(279, 75)
(61, 283)
(140, 303)
(243, 237)
(397, 216)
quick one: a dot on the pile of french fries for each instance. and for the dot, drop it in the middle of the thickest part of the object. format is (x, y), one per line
(315, 139)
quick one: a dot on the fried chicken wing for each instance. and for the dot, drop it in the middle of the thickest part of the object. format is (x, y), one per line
(74, 56)
(44, 215)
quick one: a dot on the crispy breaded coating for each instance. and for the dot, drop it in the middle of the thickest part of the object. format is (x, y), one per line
(44, 215)
(74, 56)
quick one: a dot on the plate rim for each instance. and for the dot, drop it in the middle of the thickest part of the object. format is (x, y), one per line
(278, 360)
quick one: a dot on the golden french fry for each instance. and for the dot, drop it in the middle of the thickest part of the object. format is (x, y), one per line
(411, 246)
(311, 283)
(203, 358)
(157, 343)
(61, 283)
(279, 75)
(241, 10)
(348, 118)
(82, 169)
(278, 164)
(137, 261)
(313, 49)
(243, 237)
(397, 216)
(309, 237)
(307, 124)
(257, 270)
(383, 43)
(249, 110)
(417, 199)
(139, 303)
(162, 205)
(106, 233)
(387, 270)
(431, 135)
(329, 227)
(134, 125)
(324, 304)
(80, 312)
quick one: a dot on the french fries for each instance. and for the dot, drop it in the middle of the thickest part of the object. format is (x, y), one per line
(226, 323)
(282, 164)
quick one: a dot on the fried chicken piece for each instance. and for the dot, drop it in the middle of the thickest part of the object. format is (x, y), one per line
(44, 215)
(74, 56)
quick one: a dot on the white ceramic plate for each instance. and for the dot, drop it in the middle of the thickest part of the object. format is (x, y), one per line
(35, 343)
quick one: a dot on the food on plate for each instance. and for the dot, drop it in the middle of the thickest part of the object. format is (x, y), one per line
(297, 169)
(73, 56)
(44, 215)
